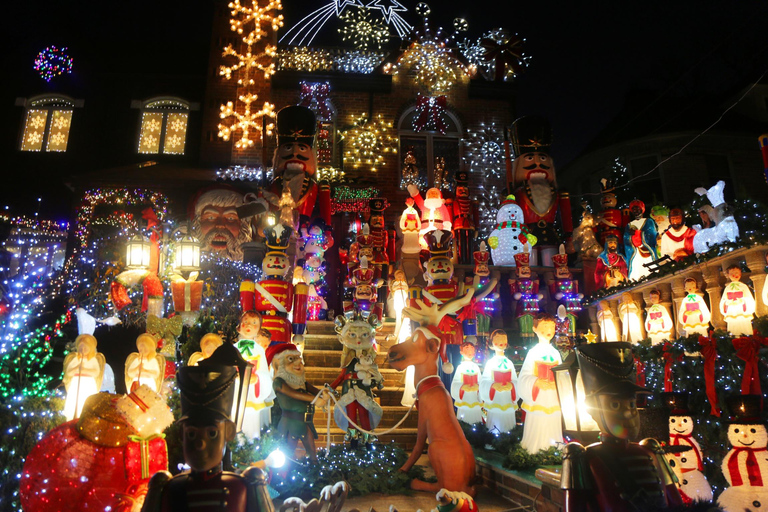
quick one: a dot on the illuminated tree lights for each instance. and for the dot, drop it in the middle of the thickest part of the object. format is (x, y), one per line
(362, 31)
(247, 121)
(52, 62)
(368, 141)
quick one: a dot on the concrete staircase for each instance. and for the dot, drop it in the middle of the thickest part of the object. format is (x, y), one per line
(322, 357)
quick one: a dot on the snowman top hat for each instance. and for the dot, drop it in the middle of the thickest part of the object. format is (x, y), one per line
(745, 409)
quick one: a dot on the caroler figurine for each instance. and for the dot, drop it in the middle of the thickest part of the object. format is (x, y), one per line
(497, 386)
(615, 474)
(275, 296)
(207, 395)
(465, 388)
(737, 304)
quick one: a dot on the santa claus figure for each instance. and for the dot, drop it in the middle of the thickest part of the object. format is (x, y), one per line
(658, 323)
(737, 304)
(497, 387)
(677, 239)
(745, 466)
(535, 187)
(694, 314)
(464, 219)
(216, 219)
(465, 388)
(434, 212)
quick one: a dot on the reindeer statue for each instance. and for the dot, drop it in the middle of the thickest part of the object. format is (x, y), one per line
(449, 452)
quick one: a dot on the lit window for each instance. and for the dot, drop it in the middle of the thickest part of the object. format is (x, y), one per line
(429, 158)
(164, 127)
(46, 125)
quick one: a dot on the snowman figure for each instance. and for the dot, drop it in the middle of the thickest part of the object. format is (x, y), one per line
(510, 235)
(691, 483)
(745, 466)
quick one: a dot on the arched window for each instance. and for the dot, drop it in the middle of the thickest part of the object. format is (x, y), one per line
(435, 155)
(47, 123)
(163, 126)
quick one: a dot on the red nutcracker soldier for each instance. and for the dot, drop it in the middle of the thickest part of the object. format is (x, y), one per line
(440, 289)
(362, 247)
(383, 247)
(566, 288)
(476, 317)
(364, 296)
(535, 187)
(464, 219)
(611, 220)
(274, 297)
(207, 394)
(615, 474)
(525, 290)
(295, 162)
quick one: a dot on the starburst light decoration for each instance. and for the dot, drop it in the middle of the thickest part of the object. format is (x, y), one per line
(484, 151)
(303, 32)
(362, 31)
(246, 122)
(368, 141)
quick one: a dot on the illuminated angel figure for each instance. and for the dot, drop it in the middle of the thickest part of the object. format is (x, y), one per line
(83, 374)
(145, 366)
(308, 27)
(364, 32)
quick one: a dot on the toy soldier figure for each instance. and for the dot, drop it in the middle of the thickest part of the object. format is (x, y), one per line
(383, 247)
(464, 219)
(207, 395)
(275, 296)
(615, 474)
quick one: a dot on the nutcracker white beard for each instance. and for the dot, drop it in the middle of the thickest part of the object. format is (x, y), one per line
(541, 194)
(234, 245)
(293, 380)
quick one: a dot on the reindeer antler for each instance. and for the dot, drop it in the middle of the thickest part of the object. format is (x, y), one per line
(432, 314)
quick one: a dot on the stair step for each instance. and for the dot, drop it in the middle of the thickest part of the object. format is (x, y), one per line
(329, 327)
(331, 342)
(332, 358)
(319, 376)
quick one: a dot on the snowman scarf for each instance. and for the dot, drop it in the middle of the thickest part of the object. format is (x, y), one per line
(675, 440)
(753, 470)
(512, 224)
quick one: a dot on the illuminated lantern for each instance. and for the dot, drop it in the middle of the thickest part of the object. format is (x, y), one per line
(228, 355)
(137, 252)
(187, 255)
(510, 235)
(578, 425)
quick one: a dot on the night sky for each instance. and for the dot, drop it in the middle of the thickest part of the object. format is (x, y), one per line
(585, 56)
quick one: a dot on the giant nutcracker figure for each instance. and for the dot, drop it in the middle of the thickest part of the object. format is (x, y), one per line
(615, 474)
(207, 394)
(295, 162)
(383, 246)
(275, 296)
(464, 219)
(535, 187)
(440, 289)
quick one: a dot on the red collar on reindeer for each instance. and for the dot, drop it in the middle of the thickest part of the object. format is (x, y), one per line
(433, 381)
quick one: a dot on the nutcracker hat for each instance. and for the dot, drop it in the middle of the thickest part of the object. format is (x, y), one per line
(607, 186)
(531, 133)
(608, 369)
(363, 275)
(296, 124)
(377, 205)
(745, 409)
(439, 242)
(278, 237)
(523, 259)
(560, 259)
(277, 349)
(481, 256)
(207, 392)
(676, 402)
(462, 178)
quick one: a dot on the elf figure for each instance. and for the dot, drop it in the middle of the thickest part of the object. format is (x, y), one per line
(639, 241)
(260, 398)
(464, 219)
(658, 323)
(497, 387)
(737, 304)
(525, 291)
(536, 385)
(745, 466)
(275, 296)
(465, 388)
(694, 314)
(631, 321)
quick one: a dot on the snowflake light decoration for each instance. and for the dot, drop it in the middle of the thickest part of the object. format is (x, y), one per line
(497, 55)
(488, 200)
(368, 141)
(247, 121)
(52, 62)
(484, 151)
(252, 23)
(362, 31)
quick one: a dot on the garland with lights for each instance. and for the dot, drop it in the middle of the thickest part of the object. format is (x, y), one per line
(368, 141)
(353, 200)
(52, 62)
(301, 58)
(244, 173)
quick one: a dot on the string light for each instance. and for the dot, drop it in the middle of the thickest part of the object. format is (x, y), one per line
(368, 142)
(484, 151)
(52, 62)
(353, 200)
(362, 31)
(244, 173)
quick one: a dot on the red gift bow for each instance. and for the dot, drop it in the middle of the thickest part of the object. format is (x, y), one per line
(319, 93)
(471, 310)
(709, 351)
(669, 359)
(429, 112)
(503, 54)
(746, 350)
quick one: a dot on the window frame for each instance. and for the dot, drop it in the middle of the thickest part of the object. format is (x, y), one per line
(164, 105)
(49, 103)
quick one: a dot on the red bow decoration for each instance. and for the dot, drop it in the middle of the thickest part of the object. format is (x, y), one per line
(315, 96)
(746, 350)
(503, 54)
(709, 351)
(669, 359)
(640, 368)
(471, 310)
(150, 216)
(429, 113)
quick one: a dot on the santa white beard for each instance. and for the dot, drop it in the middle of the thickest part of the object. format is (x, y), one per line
(541, 194)
(293, 380)
(234, 248)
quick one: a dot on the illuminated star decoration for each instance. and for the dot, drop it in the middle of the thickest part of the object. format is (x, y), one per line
(252, 23)
(590, 336)
(368, 141)
(52, 62)
(247, 121)
(362, 31)
(305, 31)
